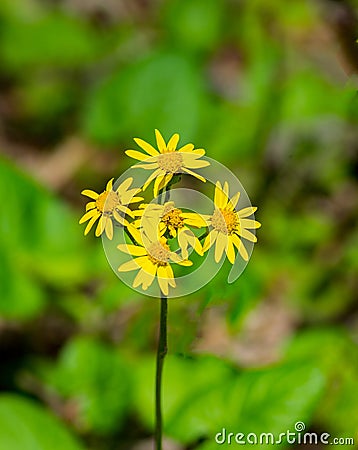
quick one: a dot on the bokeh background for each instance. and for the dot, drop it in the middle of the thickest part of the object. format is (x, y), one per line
(269, 89)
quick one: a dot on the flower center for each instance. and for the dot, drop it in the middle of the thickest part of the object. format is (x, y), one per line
(107, 202)
(171, 162)
(225, 221)
(173, 219)
(159, 254)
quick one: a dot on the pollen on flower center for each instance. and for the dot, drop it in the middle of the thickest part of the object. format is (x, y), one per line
(159, 254)
(225, 221)
(107, 202)
(171, 162)
(173, 218)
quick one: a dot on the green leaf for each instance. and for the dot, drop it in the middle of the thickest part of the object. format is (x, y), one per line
(94, 376)
(161, 92)
(26, 425)
(202, 395)
(48, 39)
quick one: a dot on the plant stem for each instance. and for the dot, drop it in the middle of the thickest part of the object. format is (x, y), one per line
(161, 352)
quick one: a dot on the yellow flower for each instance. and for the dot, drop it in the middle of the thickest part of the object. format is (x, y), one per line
(153, 261)
(109, 205)
(167, 160)
(175, 221)
(229, 225)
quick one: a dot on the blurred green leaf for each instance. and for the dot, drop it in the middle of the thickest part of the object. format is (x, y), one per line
(161, 92)
(27, 426)
(94, 376)
(194, 24)
(48, 39)
(204, 395)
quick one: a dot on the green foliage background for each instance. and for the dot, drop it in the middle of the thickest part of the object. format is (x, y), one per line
(267, 88)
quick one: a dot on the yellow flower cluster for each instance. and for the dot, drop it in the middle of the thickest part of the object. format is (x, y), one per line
(154, 228)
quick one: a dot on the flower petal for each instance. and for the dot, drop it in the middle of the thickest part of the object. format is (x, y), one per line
(90, 224)
(90, 205)
(146, 147)
(160, 142)
(124, 186)
(247, 235)
(246, 212)
(220, 199)
(249, 223)
(220, 246)
(190, 172)
(230, 251)
(233, 201)
(101, 225)
(130, 249)
(210, 239)
(197, 164)
(186, 148)
(173, 142)
(240, 246)
(109, 185)
(133, 264)
(135, 154)
(151, 178)
(89, 215)
(109, 229)
(90, 194)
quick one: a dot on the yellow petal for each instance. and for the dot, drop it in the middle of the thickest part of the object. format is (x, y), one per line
(240, 246)
(173, 142)
(109, 229)
(134, 250)
(109, 185)
(160, 142)
(194, 220)
(135, 154)
(230, 251)
(89, 215)
(124, 186)
(133, 264)
(220, 199)
(151, 178)
(136, 234)
(120, 219)
(196, 164)
(90, 205)
(210, 239)
(146, 147)
(233, 201)
(220, 246)
(247, 235)
(146, 166)
(101, 225)
(90, 224)
(185, 263)
(246, 212)
(190, 172)
(157, 182)
(167, 273)
(249, 223)
(164, 285)
(90, 194)
(187, 148)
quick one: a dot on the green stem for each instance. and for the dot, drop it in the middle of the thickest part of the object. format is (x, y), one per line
(161, 352)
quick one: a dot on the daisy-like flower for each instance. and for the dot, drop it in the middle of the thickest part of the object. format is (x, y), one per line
(167, 160)
(154, 259)
(229, 225)
(109, 205)
(174, 221)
